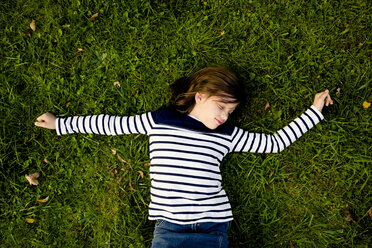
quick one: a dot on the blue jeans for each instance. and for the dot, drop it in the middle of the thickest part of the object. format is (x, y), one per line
(204, 234)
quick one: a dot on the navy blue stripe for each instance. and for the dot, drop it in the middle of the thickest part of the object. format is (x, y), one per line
(185, 168)
(272, 144)
(135, 124)
(237, 143)
(286, 134)
(293, 131)
(277, 143)
(252, 142)
(121, 124)
(77, 123)
(184, 151)
(103, 124)
(245, 142)
(284, 146)
(316, 114)
(312, 121)
(202, 212)
(64, 123)
(265, 142)
(90, 123)
(85, 131)
(191, 220)
(187, 191)
(191, 145)
(148, 120)
(97, 125)
(186, 159)
(189, 138)
(183, 175)
(189, 184)
(203, 133)
(307, 127)
(186, 198)
(191, 205)
(259, 144)
(302, 133)
(127, 123)
(143, 125)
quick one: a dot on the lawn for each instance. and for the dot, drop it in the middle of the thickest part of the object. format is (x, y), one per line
(119, 58)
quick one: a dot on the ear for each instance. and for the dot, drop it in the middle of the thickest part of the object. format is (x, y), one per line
(199, 97)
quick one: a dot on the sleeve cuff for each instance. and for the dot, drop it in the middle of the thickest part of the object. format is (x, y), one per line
(318, 113)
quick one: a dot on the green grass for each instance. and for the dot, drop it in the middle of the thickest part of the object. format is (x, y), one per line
(285, 51)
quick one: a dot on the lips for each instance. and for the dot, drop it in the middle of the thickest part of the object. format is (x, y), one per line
(218, 121)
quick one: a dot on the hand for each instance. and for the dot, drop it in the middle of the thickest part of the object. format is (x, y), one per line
(46, 120)
(322, 98)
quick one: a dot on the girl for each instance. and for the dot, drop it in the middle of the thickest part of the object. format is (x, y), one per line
(188, 141)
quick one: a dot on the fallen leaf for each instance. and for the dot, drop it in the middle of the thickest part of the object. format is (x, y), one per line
(120, 159)
(267, 106)
(117, 83)
(147, 164)
(94, 16)
(338, 93)
(222, 32)
(32, 178)
(29, 220)
(28, 34)
(370, 212)
(45, 160)
(290, 244)
(66, 26)
(55, 41)
(80, 49)
(366, 104)
(68, 104)
(122, 169)
(33, 25)
(141, 173)
(318, 76)
(130, 185)
(116, 171)
(271, 173)
(113, 151)
(44, 200)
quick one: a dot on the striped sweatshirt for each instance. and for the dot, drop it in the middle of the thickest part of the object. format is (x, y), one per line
(185, 157)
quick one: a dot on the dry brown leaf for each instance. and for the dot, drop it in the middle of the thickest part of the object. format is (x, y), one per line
(338, 93)
(33, 25)
(113, 151)
(131, 187)
(68, 104)
(120, 159)
(290, 244)
(80, 49)
(116, 171)
(44, 200)
(147, 164)
(45, 160)
(94, 16)
(366, 104)
(267, 106)
(29, 220)
(141, 173)
(318, 76)
(271, 173)
(122, 169)
(370, 212)
(32, 178)
(117, 83)
(222, 32)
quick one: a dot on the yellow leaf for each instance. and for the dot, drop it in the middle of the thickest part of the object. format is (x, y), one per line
(113, 151)
(147, 164)
(366, 104)
(33, 25)
(120, 159)
(94, 16)
(29, 220)
(32, 178)
(68, 104)
(117, 83)
(338, 93)
(80, 49)
(370, 212)
(44, 200)
(267, 106)
(141, 173)
(222, 32)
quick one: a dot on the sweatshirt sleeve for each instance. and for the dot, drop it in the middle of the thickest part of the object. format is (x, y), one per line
(105, 124)
(244, 141)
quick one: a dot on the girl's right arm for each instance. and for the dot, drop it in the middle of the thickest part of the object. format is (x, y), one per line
(97, 124)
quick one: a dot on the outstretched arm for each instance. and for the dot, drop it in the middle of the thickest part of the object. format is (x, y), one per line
(244, 141)
(97, 124)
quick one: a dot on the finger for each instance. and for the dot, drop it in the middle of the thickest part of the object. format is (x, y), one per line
(41, 117)
(40, 124)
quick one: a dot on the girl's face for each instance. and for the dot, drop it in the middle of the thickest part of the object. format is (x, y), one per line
(211, 110)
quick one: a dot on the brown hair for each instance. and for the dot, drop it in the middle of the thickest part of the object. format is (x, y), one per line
(213, 81)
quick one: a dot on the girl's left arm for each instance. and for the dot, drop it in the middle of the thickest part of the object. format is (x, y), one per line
(244, 141)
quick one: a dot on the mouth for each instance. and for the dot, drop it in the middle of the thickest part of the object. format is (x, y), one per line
(218, 121)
